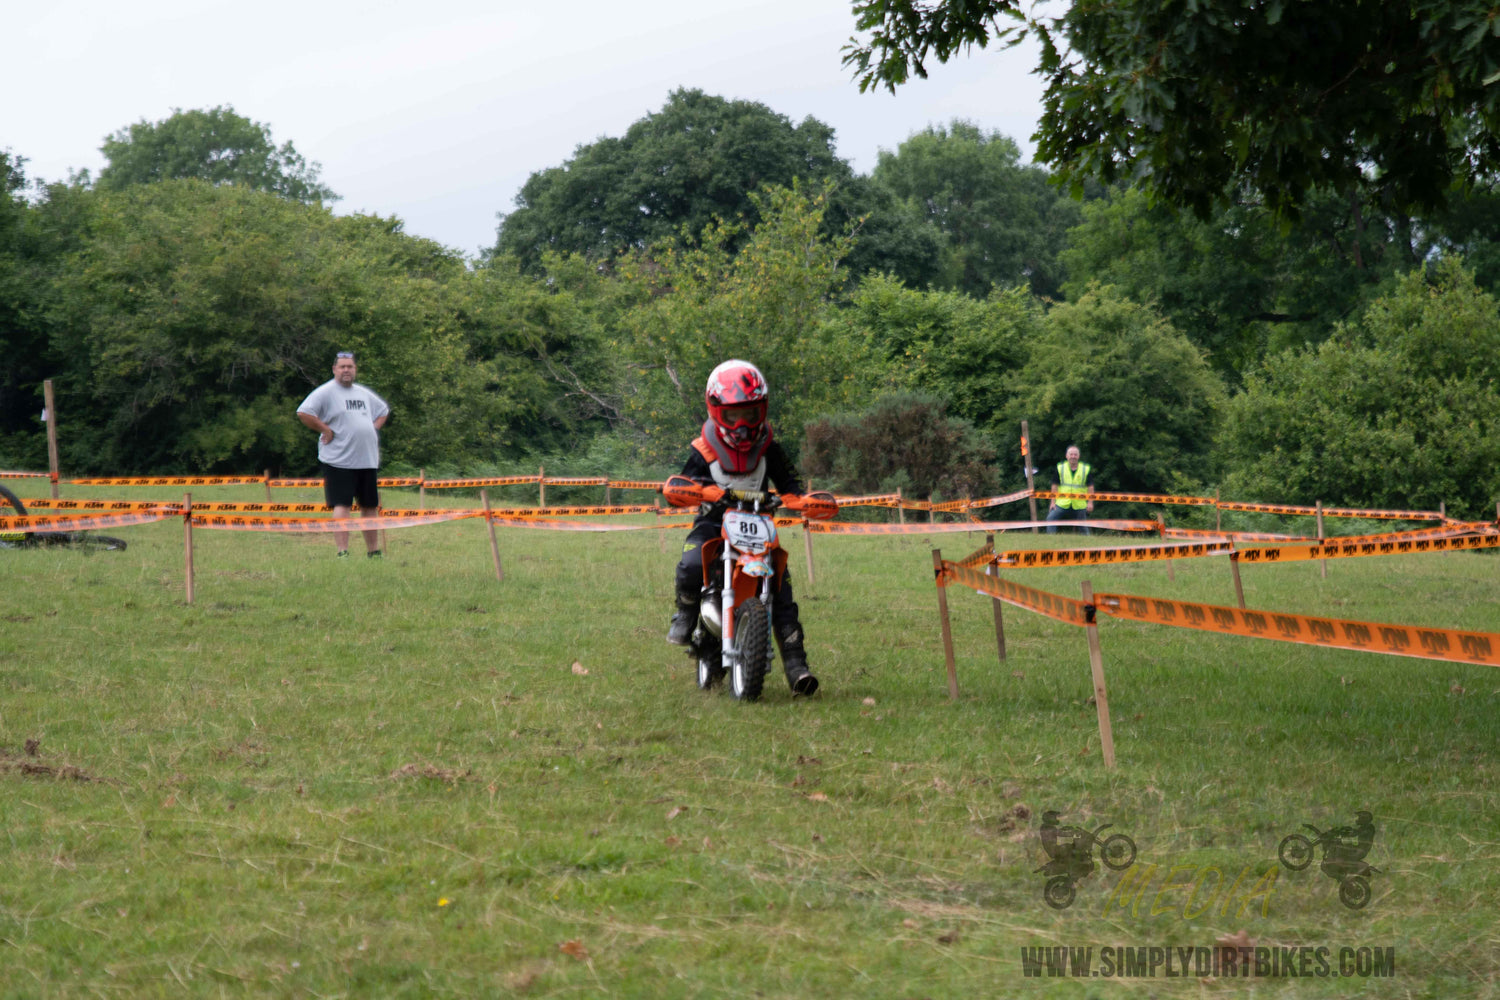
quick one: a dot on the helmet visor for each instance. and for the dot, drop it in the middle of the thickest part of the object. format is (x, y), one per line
(740, 416)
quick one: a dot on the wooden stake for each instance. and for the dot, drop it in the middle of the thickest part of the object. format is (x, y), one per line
(1239, 589)
(541, 486)
(607, 494)
(494, 543)
(901, 511)
(661, 533)
(268, 486)
(49, 403)
(1101, 696)
(1322, 563)
(942, 591)
(993, 570)
(1218, 514)
(807, 544)
(1026, 461)
(1161, 531)
(187, 543)
(422, 489)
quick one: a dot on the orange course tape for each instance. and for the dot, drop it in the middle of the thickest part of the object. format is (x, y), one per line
(79, 522)
(1366, 546)
(1374, 637)
(1284, 508)
(296, 524)
(1051, 558)
(174, 481)
(1135, 498)
(1064, 609)
(840, 528)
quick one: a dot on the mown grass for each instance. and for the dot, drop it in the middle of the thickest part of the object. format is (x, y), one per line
(356, 778)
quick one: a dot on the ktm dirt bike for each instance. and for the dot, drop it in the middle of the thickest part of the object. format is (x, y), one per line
(733, 635)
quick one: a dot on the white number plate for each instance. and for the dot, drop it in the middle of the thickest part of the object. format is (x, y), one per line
(748, 532)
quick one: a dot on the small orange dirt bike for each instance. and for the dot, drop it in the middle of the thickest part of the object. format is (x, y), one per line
(733, 636)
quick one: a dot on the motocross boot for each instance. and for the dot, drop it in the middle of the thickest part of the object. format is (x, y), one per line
(794, 657)
(681, 631)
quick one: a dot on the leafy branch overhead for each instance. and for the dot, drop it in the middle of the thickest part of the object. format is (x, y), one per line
(1220, 100)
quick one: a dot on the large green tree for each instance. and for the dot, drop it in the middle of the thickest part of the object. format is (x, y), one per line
(1115, 378)
(698, 159)
(214, 145)
(192, 319)
(1398, 410)
(1278, 98)
(1002, 223)
(1241, 282)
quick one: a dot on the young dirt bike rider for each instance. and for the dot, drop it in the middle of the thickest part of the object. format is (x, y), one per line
(736, 450)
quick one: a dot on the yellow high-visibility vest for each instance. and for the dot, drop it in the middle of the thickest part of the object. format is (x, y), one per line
(1070, 484)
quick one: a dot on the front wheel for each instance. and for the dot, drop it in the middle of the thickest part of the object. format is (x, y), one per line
(1295, 851)
(1117, 852)
(752, 641)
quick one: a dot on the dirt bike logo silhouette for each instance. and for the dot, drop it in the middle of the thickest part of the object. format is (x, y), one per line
(1344, 850)
(1071, 850)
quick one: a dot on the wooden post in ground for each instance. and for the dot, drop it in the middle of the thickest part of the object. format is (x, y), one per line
(1161, 531)
(422, 489)
(1026, 462)
(541, 486)
(661, 532)
(1101, 696)
(942, 591)
(489, 522)
(1218, 514)
(1239, 588)
(607, 492)
(994, 570)
(187, 544)
(807, 544)
(49, 403)
(1322, 563)
(268, 486)
(901, 511)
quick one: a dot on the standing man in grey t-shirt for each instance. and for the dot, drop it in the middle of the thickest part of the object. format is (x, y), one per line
(348, 418)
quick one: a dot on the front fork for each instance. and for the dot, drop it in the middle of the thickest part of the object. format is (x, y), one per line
(729, 652)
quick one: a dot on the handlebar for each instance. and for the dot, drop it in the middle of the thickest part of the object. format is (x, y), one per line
(681, 491)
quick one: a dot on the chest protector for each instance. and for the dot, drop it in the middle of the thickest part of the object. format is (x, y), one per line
(731, 469)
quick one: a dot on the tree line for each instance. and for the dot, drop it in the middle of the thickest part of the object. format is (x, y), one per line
(186, 299)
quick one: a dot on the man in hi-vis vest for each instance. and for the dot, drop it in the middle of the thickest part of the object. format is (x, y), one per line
(1075, 501)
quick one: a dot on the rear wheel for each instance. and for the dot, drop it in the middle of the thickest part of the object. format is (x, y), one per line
(12, 539)
(752, 640)
(710, 664)
(6, 496)
(1059, 892)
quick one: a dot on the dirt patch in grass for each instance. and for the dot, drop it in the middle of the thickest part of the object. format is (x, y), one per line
(30, 765)
(429, 771)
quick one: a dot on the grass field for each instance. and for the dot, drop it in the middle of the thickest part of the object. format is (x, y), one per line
(369, 779)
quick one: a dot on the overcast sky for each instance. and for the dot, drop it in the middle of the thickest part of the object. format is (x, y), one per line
(437, 112)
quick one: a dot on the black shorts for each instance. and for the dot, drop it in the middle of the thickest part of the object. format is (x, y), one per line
(341, 487)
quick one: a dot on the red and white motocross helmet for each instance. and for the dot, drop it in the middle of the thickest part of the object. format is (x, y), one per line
(736, 398)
